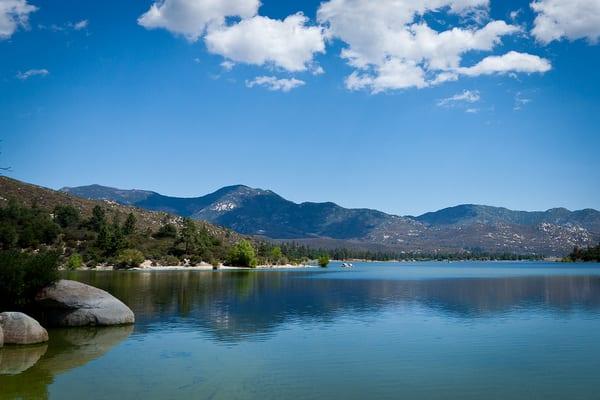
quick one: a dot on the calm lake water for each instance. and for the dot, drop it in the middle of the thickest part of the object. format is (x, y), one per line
(378, 331)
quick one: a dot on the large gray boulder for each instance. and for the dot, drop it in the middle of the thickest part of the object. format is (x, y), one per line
(70, 303)
(19, 328)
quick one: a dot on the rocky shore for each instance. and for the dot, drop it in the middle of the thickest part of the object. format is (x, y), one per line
(64, 303)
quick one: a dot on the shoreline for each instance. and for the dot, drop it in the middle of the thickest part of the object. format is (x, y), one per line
(150, 268)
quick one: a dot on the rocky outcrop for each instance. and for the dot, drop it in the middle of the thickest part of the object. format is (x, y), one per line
(19, 328)
(69, 303)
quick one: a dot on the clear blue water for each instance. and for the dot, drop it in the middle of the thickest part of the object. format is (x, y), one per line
(379, 331)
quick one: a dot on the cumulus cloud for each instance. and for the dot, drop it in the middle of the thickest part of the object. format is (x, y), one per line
(510, 62)
(391, 47)
(388, 43)
(191, 18)
(390, 75)
(289, 44)
(467, 96)
(31, 73)
(13, 14)
(570, 19)
(275, 84)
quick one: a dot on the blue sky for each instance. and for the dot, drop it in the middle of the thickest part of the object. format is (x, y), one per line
(405, 107)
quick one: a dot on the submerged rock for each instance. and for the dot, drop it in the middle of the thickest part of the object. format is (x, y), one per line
(19, 328)
(70, 303)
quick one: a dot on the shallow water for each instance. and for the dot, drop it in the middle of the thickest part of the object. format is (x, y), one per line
(386, 331)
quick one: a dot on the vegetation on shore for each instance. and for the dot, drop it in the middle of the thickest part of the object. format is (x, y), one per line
(587, 254)
(118, 239)
(22, 275)
(323, 261)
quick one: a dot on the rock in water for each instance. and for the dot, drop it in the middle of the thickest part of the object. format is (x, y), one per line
(70, 303)
(19, 328)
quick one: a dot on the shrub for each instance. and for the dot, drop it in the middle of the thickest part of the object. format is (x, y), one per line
(324, 261)
(75, 261)
(22, 275)
(129, 258)
(169, 261)
(242, 255)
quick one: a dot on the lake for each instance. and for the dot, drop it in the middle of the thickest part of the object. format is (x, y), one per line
(464, 330)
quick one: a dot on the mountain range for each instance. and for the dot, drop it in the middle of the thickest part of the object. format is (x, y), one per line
(466, 227)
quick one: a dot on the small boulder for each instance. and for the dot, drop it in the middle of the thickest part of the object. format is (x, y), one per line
(69, 303)
(19, 328)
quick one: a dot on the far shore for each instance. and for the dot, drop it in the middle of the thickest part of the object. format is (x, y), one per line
(203, 267)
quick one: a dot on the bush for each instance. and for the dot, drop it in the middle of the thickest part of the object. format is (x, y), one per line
(129, 258)
(75, 261)
(242, 255)
(169, 261)
(323, 261)
(22, 275)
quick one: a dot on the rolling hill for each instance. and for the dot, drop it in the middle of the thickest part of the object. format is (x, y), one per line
(462, 228)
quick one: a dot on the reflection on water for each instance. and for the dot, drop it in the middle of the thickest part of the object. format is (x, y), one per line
(426, 331)
(32, 368)
(17, 359)
(240, 305)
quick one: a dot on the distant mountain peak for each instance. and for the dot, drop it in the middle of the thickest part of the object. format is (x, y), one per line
(462, 227)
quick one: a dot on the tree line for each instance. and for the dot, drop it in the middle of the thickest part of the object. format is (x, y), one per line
(591, 253)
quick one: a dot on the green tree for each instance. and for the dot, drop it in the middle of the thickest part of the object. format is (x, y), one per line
(166, 231)
(75, 261)
(242, 254)
(189, 236)
(275, 255)
(117, 238)
(98, 219)
(130, 258)
(103, 241)
(66, 216)
(129, 227)
(324, 261)
(22, 275)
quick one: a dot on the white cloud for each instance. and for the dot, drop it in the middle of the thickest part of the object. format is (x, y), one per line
(388, 43)
(391, 47)
(510, 62)
(391, 75)
(191, 18)
(81, 25)
(30, 73)
(227, 65)
(275, 84)
(571, 19)
(288, 44)
(13, 14)
(467, 96)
